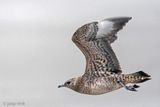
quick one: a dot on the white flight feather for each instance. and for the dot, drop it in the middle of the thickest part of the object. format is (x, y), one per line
(104, 27)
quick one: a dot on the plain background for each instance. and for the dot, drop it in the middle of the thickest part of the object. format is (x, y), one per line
(37, 54)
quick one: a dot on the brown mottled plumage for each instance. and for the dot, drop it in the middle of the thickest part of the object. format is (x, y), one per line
(103, 72)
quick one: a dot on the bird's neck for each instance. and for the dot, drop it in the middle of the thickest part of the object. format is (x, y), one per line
(78, 84)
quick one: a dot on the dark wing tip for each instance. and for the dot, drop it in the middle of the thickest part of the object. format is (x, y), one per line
(120, 19)
(119, 22)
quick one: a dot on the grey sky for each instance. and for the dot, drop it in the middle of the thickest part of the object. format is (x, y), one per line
(37, 54)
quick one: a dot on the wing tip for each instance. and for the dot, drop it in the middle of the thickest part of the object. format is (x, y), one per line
(118, 19)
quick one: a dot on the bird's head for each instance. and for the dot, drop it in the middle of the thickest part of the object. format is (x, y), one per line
(71, 83)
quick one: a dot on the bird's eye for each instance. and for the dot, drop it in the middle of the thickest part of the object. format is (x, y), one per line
(68, 82)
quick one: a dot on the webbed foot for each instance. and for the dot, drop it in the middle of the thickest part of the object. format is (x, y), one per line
(132, 87)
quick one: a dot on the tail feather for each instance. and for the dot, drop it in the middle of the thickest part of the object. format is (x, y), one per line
(141, 73)
(137, 77)
(143, 80)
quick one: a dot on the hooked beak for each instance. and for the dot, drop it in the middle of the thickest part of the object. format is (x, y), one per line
(59, 86)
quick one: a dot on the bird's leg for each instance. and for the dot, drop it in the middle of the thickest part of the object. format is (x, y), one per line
(130, 87)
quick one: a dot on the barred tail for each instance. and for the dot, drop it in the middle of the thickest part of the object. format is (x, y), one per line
(137, 77)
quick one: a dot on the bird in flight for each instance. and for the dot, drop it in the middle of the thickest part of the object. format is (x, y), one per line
(103, 73)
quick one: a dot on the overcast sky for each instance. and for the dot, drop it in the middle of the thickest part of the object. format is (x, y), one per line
(37, 54)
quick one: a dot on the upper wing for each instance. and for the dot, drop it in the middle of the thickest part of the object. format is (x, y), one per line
(94, 41)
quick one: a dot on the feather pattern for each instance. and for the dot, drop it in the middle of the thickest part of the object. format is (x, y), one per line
(94, 40)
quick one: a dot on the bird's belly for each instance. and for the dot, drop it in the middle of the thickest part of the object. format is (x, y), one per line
(103, 86)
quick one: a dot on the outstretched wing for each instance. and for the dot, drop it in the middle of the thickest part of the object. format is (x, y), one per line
(94, 41)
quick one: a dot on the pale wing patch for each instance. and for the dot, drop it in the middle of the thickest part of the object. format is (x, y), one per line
(104, 27)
